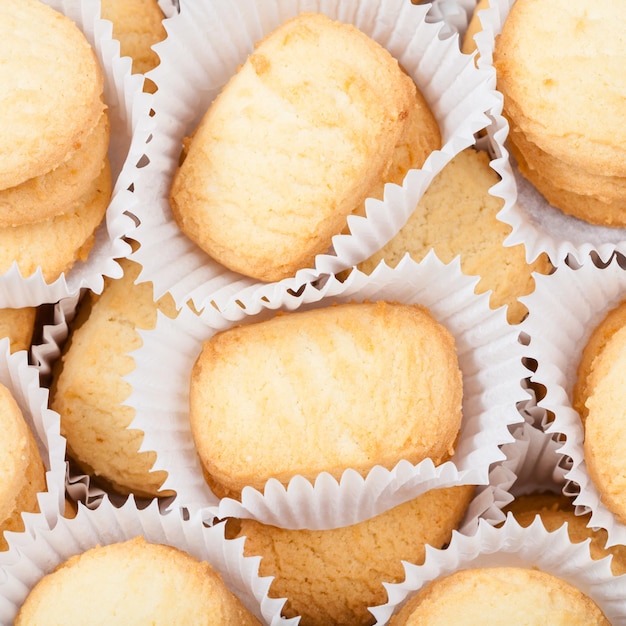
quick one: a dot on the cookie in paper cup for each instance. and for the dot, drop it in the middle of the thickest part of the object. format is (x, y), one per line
(564, 311)
(550, 555)
(488, 355)
(457, 93)
(124, 102)
(38, 475)
(537, 224)
(31, 558)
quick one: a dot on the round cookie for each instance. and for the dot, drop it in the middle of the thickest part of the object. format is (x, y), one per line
(133, 582)
(588, 207)
(458, 216)
(558, 66)
(332, 576)
(61, 240)
(318, 100)
(88, 390)
(500, 595)
(22, 472)
(19, 326)
(55, 192)
(138, 25)
(556, 510)
(605, 438)
(597, 341)
(344, 386)
(48, 63)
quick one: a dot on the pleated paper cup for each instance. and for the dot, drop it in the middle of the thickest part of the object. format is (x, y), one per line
(33, 555)
(22, 380)
(535, 223)
(490, 360)
(127, 107)
(563, 312)
(206, 43)
(512, 545)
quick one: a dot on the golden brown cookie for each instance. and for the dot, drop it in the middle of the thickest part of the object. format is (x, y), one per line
(597, 341)
(345, 386)
(605, 438)
(133, 582)
(61, 240)
(18, 325)
(458, 216)
(556, 510)
(332, 576)
(55, 192)
(318, 100)
(500, 595)
(48, 63)
(138, 25)
(22, 472)
(88, 390)
(468, 44)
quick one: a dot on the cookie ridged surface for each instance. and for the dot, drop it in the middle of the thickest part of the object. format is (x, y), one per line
(345, 386)
(457, 216)
(89, 390)
(292, 146)
(332, 576)
(51, 97)
(133, 582)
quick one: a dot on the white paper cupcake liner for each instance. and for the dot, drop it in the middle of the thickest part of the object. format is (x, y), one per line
(512, 545)
(127, 107)
(563, 312)
(535, 223)
(490, 359)
(532, 464)
(32, 555)
(205, 44)
(455, 15)
(22, 380)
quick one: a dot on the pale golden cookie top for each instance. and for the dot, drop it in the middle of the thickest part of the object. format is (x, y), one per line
(51, 89)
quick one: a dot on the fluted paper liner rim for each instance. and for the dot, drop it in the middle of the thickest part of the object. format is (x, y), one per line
(22, 380)
(33, 554)
(563, 311)
(127, 106)
(205, 44)
(488, 352)
(532, 547)
(535, 223)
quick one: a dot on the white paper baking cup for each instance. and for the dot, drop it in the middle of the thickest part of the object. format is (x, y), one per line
(32, 555)
(127, 107)
(206, 43)
(563, 311)
(535, 223)
(490, 359)
(455, 15)
(512, 545)
(22, 380)
(532, 464)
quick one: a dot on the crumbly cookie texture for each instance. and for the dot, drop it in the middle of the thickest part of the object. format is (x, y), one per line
(347, 386)
(332, 576)
(22, 472)
(556, 510)
(458, 216)
(19, 326)
(493, 595)
(88, 389)
(133, 582)
(47, 62)
(317, 100)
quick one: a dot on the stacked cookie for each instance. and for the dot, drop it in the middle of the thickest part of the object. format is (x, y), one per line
(563, 98)
(55, 180)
